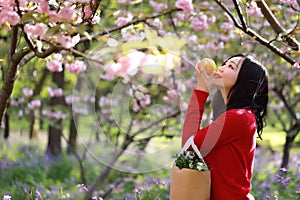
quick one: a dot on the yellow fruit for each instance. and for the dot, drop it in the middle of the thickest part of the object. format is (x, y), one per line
(210, 65)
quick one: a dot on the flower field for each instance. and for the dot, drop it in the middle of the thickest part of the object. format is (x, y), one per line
(27, 174)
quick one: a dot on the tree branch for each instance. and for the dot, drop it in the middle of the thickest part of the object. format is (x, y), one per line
(269, 45)
(240, 14)
(256, 36)
(13, 42)
(288, 107)
(292, 42)
(49, 51)
(144, 20)
(227, 11)
(10, 78)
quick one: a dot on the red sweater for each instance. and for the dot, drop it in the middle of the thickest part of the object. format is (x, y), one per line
(228, 146)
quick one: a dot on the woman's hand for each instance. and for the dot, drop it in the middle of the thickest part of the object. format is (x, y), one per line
(204, 81)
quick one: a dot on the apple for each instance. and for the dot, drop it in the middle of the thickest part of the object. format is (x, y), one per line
(210, 65)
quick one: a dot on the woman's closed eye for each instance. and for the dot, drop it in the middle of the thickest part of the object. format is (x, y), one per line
(231, 66)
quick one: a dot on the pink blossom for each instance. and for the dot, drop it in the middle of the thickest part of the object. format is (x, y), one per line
(35, 31)
(58, 92)
(116, 69)
(55, 65)
(79, 1)
(185, 5)
(9, 16)
(228, 37)
(82, 111)
(172, 94)
(34, 104)
(193, 39)
(148, 59)
(87, 12)
(43, 7)
(158, 6)
(145, 101)
(14, 102)
(67, 41)
(76, 67)
(108, 77)
(213, 46)
(27, 92)
(127, 64)
(23, 4)
(72, 99)
(67, 13)
(253, 10)
(89, 99)
(134, 58)
(96, 19)
(136, 106)
(226, 26)
(7, 4)
(21, 100)
(293, 3)
(124, 20)
(200, 22)
(182, 16)
(291, 75)
(211, 19)
(54, 17)
(122, 1)
(296, 66)
(54, 114)
(157, 23)
(59, 115)
(45, 112)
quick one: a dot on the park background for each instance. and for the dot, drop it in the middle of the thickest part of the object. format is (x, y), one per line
(93, 92)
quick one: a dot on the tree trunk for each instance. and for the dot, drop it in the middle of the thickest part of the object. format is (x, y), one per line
(34, 121)
(54, 140)
(289, 140)
(55, 130)
(6, 128)
(73, 122)
(34, 127)
(72, 135)
(11, 74)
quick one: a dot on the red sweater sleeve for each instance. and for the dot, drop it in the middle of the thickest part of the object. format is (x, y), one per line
(193, 114)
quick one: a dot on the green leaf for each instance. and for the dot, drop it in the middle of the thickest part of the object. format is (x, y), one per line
(28, 17)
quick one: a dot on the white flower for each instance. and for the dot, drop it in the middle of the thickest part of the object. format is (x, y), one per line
(6, 197)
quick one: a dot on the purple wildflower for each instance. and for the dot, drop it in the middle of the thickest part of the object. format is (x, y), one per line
(82, 187)
(135, 190)
(284, 180)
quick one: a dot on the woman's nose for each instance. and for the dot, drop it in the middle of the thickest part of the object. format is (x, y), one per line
(221, 68)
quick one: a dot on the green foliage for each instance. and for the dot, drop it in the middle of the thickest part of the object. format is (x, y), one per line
(190, 160)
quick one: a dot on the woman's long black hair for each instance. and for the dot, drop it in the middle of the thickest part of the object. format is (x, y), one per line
(249, 91)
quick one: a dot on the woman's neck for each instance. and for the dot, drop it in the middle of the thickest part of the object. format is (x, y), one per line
(224, 95)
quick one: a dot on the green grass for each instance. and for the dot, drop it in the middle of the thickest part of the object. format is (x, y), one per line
(275, 139)
(30, 170)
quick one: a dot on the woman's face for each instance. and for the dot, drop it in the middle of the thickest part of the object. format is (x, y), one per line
(227, 74)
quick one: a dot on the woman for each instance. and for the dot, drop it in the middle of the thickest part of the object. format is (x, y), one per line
(239, 110)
